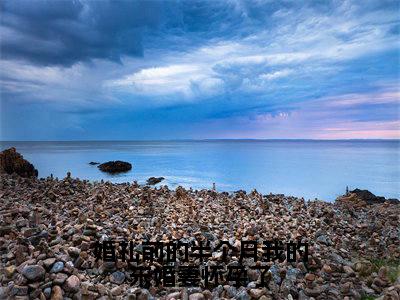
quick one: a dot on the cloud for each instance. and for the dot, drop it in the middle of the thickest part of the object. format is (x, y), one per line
(67, 32)
(200, 62)
(342, 117)
(276, 75)
(174, 79)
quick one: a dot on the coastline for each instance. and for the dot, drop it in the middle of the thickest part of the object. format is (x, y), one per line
(48, 223)
(310, 169)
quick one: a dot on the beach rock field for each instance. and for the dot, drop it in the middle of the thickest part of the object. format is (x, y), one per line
(49, 229)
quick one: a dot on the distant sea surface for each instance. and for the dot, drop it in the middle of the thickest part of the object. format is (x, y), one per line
(303, 168)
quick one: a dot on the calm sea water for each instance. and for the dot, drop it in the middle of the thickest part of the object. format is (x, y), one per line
(309, 169)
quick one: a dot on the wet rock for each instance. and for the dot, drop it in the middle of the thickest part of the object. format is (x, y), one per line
(13, 162)
(154, 180)
(94, 163)
(34, 272)
(115, 166)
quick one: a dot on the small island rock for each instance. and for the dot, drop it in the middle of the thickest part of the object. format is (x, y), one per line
(154, 180)
(116, 166)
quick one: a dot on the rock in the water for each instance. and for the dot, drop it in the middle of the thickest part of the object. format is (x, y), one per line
(33, 272)
(116, 166)
(154, 180)
(94, 163)
(13, 162)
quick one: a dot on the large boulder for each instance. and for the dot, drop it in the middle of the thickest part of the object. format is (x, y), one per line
(362, 198)
(154, 180)
(367, 196)
(116, 166)
(13, 162)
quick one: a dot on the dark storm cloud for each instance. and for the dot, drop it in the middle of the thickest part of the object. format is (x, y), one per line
(200, 69)
(63, 32)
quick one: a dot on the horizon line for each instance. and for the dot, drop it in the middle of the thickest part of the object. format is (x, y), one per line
(200, 140)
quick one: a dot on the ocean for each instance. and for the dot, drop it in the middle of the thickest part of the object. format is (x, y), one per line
(303, 168)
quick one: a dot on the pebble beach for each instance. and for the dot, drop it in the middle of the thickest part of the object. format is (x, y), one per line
(48, 226)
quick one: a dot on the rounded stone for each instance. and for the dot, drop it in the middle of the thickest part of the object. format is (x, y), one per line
(310, 277)
(117, 277)
(57, 293)
(196, 296)
(34, 272)
(72, 284)
(57, 267)
(47, 292)
(74, 251)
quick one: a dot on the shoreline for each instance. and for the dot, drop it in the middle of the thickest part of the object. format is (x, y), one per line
(53, 224)
(232, 166)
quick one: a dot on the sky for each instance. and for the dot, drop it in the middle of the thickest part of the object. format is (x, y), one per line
(151, 70)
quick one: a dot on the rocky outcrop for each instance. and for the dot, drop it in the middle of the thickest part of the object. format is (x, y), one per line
(154, 180)
(361, 198)
(116, 166)
(13, 162)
